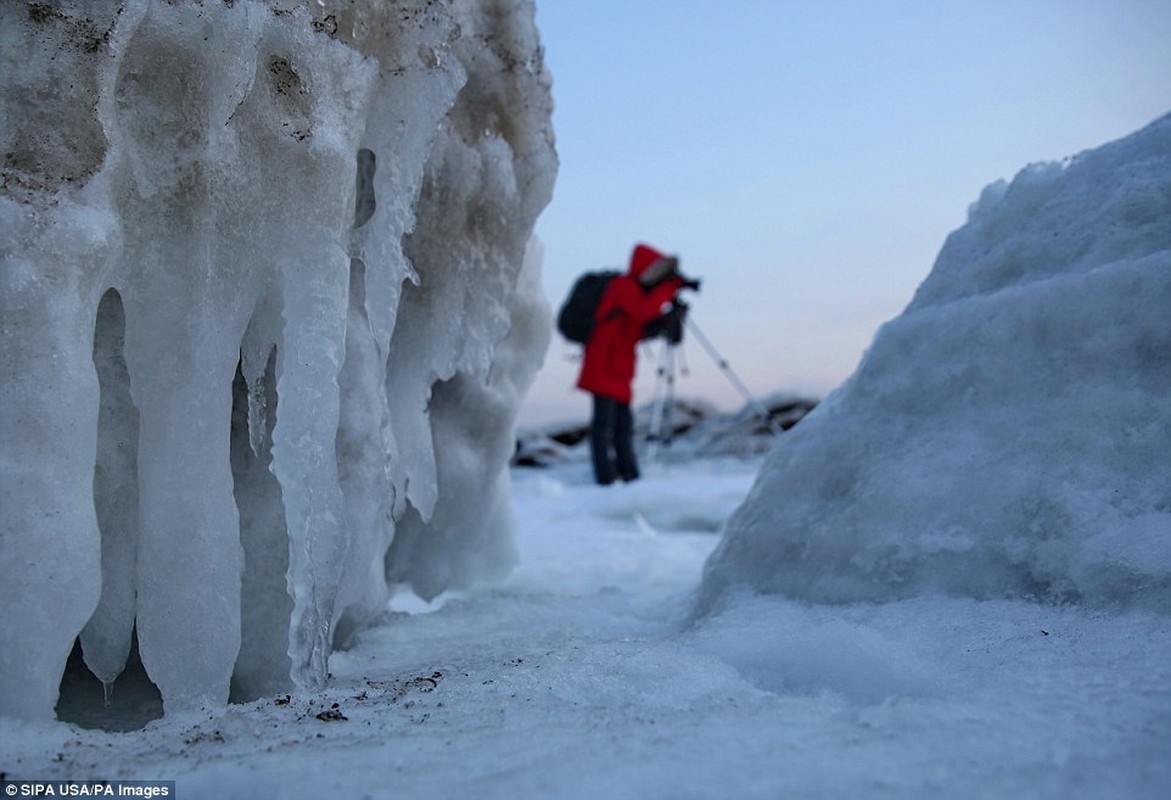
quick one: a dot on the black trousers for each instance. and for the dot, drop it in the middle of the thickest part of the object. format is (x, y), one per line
(612, 441)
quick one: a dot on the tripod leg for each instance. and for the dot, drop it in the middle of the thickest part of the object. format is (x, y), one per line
(664, 383)
(669, 402)
(755, 404)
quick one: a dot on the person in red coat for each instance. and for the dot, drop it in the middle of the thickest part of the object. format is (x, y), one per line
(633, 305)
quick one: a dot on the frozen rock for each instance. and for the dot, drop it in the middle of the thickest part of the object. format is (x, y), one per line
(261, 263)
(1007, 435)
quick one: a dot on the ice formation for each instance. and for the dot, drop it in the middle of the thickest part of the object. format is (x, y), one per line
(269, 306)
(1008, 434)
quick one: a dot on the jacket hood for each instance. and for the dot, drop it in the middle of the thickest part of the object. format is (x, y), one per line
(642, 257)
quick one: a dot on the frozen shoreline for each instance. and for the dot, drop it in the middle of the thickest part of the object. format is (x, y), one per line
(582, 675)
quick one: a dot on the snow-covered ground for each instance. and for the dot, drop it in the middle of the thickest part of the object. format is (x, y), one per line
(585, 675)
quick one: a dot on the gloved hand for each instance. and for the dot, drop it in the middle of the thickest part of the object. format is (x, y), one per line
(691, 283)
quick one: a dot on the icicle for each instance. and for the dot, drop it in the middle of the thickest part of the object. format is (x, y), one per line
(204, 160)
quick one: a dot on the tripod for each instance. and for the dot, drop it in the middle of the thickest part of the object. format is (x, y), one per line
(664, 399)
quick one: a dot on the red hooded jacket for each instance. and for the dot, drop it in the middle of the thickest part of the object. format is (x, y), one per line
(607, 367)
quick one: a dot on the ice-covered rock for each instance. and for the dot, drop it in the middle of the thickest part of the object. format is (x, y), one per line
(1008, 434)
(677, 430)
(266, 311)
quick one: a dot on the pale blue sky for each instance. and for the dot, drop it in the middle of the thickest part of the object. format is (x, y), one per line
(808, 159)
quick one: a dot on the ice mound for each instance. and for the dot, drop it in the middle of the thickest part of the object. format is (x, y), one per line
(269, 308)
(1008, 434)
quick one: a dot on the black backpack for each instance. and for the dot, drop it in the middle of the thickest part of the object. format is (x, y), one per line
(575, 320)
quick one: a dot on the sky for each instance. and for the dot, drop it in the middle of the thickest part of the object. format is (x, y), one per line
(807, 160)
